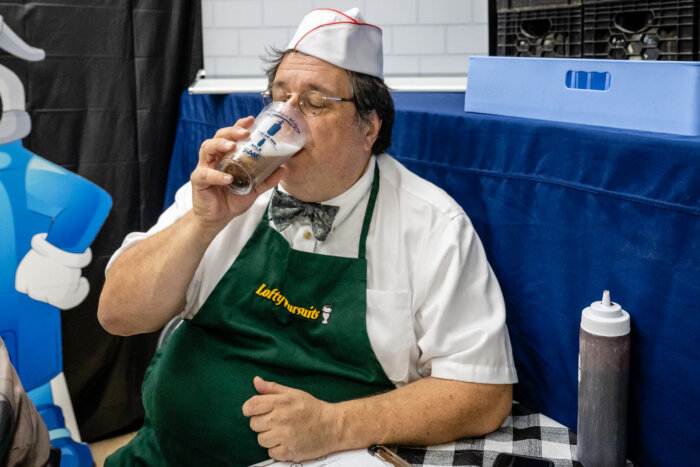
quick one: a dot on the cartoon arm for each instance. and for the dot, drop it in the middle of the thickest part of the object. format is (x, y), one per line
(10, 42)
(50, 271)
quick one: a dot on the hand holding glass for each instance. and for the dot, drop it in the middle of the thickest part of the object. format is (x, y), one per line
(279, 132)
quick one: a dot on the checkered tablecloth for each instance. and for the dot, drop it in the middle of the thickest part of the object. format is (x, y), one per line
(523, 432)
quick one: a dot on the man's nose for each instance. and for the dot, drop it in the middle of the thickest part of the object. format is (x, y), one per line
(293, 100)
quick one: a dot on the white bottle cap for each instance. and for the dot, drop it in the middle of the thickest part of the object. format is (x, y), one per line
(605, 318)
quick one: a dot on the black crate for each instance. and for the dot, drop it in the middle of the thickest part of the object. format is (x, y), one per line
(503, 6)
(537, 31)
(641, 29)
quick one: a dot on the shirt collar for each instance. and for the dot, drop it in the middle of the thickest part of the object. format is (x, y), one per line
(347, 200)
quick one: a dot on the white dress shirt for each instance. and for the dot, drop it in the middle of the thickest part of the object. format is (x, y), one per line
(434, 306)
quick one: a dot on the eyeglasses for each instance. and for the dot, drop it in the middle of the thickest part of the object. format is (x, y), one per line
(311, 103)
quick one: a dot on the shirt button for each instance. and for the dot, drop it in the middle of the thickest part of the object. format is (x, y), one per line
(307, 235)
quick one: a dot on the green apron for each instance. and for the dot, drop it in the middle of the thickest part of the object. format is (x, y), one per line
(288, 316)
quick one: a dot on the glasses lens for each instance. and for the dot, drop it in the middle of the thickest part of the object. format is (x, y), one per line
(311, 103)
(278, 95)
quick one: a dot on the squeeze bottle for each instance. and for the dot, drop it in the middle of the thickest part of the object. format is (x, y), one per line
(603, 378)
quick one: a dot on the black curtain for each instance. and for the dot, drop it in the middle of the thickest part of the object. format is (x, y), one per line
(104, 104)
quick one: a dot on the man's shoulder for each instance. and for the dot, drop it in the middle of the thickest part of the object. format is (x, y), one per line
(411, 188)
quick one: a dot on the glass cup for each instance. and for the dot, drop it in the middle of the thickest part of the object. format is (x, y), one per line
(279, 132)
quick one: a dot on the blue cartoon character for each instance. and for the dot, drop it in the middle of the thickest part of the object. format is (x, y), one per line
(48, 219)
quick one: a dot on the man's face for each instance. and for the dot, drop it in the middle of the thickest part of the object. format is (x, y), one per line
(338, 148)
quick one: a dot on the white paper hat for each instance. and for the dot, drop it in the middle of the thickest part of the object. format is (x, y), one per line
(342, 39)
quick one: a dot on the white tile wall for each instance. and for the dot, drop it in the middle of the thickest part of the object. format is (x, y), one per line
(444, 11)
(421, 37)
(411, 40)
(253, 42)
(480, 12)
(386, 12)
(221, 42)
(466, 39)
(237, 13)
(284, 12)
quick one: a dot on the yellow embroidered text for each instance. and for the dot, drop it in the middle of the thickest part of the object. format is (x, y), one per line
(278, 299)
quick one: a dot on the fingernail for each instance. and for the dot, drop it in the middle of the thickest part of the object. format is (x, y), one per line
(228, 144)
(228, 178)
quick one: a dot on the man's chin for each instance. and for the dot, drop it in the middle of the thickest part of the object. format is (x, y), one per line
(296, 182)
(291, 179)
(294, 166)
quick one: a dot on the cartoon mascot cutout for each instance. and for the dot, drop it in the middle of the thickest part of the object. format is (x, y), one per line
(48, 219)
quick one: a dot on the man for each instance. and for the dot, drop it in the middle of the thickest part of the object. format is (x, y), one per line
(374, 318)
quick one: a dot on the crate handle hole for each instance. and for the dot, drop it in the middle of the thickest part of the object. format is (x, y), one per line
(588, 80)
(535, 28)
(633, 21)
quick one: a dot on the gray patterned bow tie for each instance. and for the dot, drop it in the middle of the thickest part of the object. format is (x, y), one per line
(284, 210)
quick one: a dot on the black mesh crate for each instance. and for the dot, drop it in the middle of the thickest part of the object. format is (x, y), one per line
(539, 28)
(520, 5)
(641, 29)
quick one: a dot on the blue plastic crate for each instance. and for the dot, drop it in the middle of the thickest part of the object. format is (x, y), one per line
(637, 95)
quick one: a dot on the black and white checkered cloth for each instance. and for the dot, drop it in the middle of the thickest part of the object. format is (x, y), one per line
(523, 432)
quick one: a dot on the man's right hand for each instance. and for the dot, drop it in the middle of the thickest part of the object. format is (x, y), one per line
(213, 204)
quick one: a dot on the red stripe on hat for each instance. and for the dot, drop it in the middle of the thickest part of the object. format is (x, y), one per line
(331, 24)
(348, 17)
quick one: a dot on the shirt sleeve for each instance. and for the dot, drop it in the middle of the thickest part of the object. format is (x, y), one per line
(460, 312)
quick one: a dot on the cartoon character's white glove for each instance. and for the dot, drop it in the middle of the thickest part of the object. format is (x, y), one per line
(51, 275)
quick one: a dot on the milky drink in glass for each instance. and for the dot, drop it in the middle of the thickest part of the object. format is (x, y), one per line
(279, 132)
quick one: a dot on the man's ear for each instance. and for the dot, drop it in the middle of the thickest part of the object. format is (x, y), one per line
(371, 128)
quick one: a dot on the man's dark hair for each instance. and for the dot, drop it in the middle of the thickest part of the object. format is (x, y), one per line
(368, 93)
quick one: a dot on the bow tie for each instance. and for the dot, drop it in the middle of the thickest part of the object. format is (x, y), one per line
(284, 210)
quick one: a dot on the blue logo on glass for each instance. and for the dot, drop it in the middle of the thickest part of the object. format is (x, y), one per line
(272, 131)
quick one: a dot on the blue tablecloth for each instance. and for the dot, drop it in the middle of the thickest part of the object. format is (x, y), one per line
(564, 212)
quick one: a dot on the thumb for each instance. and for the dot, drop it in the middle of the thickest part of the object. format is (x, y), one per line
(268, 387)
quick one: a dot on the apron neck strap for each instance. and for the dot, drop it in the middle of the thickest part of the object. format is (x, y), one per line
(368, 212)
